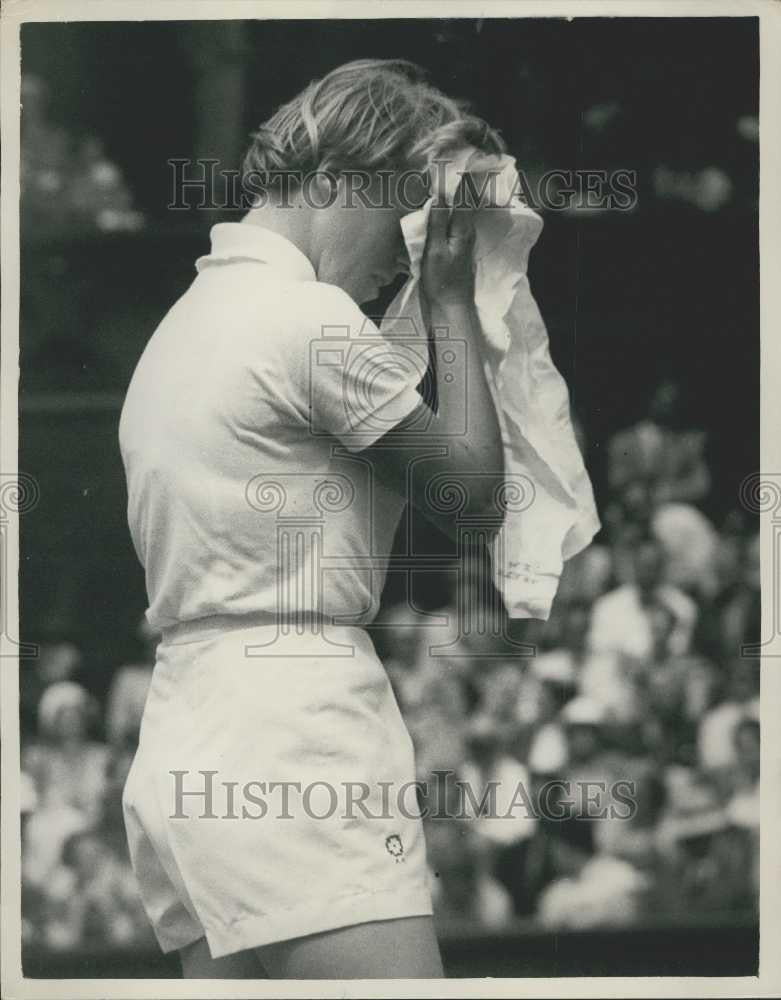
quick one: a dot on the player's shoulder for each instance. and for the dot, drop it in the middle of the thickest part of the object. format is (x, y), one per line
(314, 309)
(284, 318)
(332, 305)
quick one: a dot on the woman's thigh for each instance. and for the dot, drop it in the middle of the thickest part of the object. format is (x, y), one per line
(404, 948)
(197, 963)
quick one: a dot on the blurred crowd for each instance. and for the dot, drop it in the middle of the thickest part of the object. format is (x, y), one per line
(599, 768)
(68, 183)
(608, 773)
(78, 889)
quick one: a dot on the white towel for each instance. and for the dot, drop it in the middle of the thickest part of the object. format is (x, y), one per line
(550, 513)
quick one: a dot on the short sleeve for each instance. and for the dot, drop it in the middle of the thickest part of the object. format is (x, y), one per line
(360, 384)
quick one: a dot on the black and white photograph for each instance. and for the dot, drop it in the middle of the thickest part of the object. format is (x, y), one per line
(388, 559)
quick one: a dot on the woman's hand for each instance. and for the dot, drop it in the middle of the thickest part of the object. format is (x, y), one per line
(447, 270)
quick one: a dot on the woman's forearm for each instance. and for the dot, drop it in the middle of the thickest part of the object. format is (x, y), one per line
(466, 416)
(464, 431)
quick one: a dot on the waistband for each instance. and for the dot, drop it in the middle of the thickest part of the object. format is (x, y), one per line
(213, 625)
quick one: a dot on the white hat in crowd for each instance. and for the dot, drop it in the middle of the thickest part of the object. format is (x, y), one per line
(582, 711)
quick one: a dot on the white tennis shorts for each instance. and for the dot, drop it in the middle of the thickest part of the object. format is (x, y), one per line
(272, 795)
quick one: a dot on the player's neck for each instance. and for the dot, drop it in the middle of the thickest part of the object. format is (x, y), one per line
(292, 220)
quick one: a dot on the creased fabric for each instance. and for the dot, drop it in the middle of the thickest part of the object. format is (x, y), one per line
(550, 514)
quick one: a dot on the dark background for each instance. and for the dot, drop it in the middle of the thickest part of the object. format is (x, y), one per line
(668, 289)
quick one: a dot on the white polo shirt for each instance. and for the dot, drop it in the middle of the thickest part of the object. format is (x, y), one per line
(241, 436)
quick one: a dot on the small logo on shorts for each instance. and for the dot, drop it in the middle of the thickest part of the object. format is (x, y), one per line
(394, 847)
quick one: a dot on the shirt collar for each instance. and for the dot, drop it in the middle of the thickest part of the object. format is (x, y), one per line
(242, 241)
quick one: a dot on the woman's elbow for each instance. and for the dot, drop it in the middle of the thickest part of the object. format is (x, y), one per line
(465, 502)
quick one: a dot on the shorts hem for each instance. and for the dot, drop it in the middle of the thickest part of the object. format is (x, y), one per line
(346, 911)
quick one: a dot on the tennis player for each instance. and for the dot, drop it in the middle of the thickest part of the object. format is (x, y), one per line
(257, 445)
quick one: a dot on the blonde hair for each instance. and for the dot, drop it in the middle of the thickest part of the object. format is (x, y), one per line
(371, 114)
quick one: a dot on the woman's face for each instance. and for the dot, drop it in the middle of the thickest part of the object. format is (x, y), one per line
(364, 254)
(361, 242)
(70, 724)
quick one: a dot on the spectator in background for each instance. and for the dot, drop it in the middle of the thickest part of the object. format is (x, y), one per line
(627, 522)
(743, 805)
(59, 659)
(612, 680)
(462, 887)
(588, 885)
(604, 676)
(731, 618)
(607, 892)
(674, 692)
(704, 866)
(661, 451)
(32, 900)
(742, 614)
(563, 664)
(686, 537)
(499, 684)
(621, 619)
(716, 732)
(547, 744)
(437, 725)
(499, 803)
(68, 768)
(68, 771)
(629, 832)
(590, 760)
(689, 543)
(742, 780)
(46, 831)
(91, 899)
(570, 791)
(733, 530)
